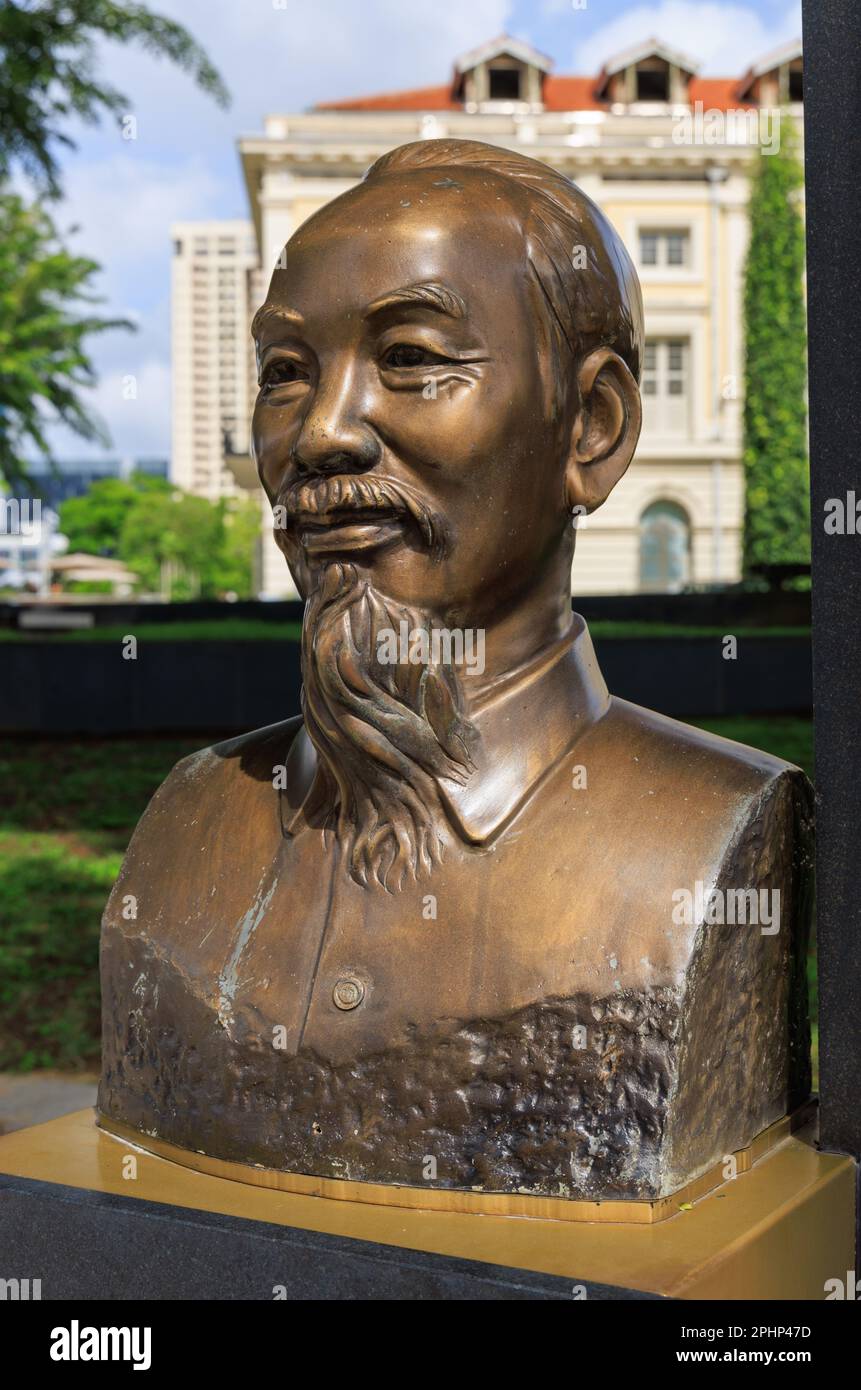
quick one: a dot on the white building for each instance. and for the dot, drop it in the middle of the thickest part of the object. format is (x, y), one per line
(214, 277)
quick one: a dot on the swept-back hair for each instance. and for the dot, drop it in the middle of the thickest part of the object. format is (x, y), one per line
(588, 285)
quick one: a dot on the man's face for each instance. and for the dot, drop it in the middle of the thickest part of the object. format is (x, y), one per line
(444, 391)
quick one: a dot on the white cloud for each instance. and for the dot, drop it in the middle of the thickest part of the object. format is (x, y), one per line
(723, 38)
(123, 206)
(139, 426)
(286, 58)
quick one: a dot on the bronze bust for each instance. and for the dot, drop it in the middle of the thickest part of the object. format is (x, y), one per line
(438, 914)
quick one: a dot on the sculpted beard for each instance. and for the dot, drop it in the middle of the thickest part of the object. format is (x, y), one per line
(385, 733)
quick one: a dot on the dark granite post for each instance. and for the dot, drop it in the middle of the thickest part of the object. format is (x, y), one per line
(832, 95)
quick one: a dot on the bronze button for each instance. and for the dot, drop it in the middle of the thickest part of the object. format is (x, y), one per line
(348, 992)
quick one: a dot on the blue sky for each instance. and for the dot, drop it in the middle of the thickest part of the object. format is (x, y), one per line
(284, 55)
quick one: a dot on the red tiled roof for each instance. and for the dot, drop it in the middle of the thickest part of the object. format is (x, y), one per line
(715, 92)
(417, 99)
(571, 94)
(560, 94)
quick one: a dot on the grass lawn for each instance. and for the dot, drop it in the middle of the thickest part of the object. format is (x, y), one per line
(69, 808)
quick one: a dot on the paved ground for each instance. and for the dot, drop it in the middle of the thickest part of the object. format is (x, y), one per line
(42, 1095)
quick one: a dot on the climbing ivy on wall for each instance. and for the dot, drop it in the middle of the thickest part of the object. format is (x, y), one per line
(777, 500)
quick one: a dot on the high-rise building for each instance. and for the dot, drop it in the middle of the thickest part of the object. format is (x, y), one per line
(215, 288)
(667, 154)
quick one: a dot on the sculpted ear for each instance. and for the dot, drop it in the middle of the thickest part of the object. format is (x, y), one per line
(606, 430)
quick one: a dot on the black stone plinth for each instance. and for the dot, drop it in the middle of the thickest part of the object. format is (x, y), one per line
(93, 1245)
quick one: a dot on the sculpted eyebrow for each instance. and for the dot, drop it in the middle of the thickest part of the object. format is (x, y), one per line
(274, 316)
(439, 298)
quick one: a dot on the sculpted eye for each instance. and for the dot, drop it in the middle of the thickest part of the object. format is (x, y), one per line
(283, 373)
(405, 355)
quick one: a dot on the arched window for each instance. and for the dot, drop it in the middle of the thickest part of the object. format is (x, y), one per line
(665, 548)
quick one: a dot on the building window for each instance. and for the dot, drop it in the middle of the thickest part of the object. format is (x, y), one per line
(796, 84)
(665, 548)
(665, 247)
(504, 84)
(653, 84)
(665, 386)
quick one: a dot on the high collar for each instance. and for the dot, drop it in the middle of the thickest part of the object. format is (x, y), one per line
(527, 720)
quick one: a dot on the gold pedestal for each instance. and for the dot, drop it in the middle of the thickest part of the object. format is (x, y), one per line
(778, 1230)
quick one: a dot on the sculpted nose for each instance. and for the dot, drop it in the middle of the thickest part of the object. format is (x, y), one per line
(334, 437)
(326, 455)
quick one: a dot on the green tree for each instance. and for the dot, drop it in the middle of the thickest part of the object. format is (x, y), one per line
(43, 361)
(47, 76)
(93, 523)
(179, 545)
(777, 501)
(241, 541)
(174, 542)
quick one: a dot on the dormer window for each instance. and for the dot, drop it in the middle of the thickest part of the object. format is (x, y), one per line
(499, 74)
(653, 84)
(775, 79)
(504, 84)
(651, 72)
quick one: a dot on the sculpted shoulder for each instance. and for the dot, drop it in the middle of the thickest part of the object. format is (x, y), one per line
(214, 807)
(670, 748)
(664, 804)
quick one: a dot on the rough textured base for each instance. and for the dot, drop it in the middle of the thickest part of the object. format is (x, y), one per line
(505, 1104)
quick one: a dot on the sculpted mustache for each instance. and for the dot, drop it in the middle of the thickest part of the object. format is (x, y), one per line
(324, 497)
